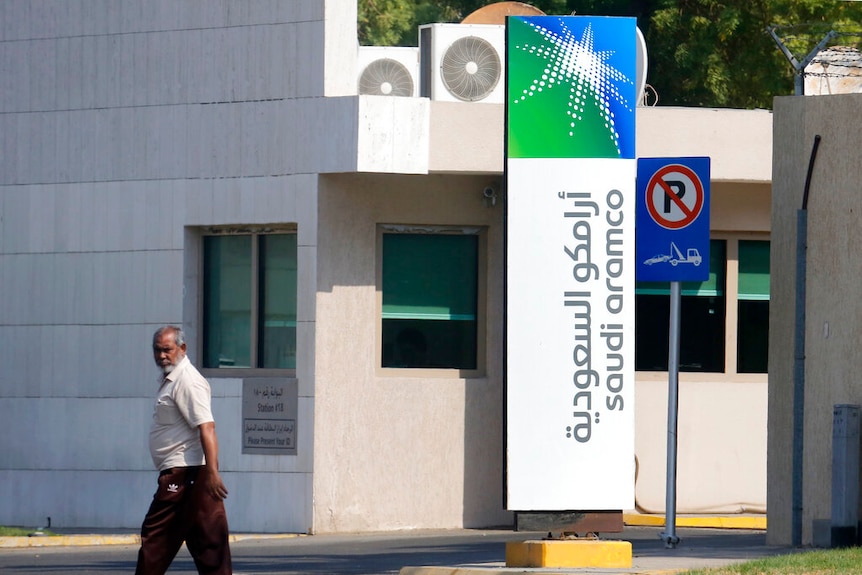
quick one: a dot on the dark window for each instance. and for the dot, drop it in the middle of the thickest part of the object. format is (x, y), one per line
(753, 326)
(430, 300)
(249, 292)
(702, 319)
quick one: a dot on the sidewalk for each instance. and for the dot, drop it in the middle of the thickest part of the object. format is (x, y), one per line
(705, 541)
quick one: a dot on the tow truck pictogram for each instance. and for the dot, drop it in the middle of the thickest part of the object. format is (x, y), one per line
(675, 257)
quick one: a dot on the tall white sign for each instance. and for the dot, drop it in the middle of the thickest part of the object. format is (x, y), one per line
(570, 263)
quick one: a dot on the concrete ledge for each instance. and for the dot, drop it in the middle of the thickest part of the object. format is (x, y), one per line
(753, 522)
(569, 553)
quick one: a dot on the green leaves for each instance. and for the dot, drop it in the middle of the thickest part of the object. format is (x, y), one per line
(384, 22)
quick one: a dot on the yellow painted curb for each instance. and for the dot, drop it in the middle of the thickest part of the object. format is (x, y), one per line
(131, 539)
(520, 571)
(715, 522)
(247, 536)
(569, 553)
(67, 540)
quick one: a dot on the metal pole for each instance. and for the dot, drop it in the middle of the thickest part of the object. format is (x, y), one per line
(799, 355)
(799, 67)
(799, 377)
(669, 535)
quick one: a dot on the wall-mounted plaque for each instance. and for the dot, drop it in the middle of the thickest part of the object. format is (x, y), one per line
(269, 407)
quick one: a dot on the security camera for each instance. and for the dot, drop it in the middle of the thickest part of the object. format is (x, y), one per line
(490, 196)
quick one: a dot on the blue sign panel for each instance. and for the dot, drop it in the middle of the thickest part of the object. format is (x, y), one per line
(672, 220)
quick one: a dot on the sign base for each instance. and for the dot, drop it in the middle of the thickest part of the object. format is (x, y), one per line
(580, 522)
(569, 553)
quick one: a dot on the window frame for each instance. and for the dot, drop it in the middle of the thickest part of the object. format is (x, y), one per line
(481, 233)
(255, 232)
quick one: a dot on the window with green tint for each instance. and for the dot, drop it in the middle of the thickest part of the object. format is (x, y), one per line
(429, 300)
(277, 281)
(753, 307)
(702, 320)
(227, 301)
(754, 270)
(249, 301)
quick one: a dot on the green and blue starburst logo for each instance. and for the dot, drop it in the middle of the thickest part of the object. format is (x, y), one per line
(571, 87)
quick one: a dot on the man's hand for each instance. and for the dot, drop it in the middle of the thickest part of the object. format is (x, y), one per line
(213, 483)
(210, 475)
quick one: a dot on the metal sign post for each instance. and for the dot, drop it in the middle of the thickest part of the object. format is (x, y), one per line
(672, 244)
(799, 353)
(669, 535)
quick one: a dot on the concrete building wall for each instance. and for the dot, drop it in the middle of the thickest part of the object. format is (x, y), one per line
(397, 449)
(92, 55)
(721, 445)
(721, 457)
(76, 325)
(380, 436)
(833, 309)
(127, 128)
(738, 142)
(722, 417)
(178, 141)
(174, 90)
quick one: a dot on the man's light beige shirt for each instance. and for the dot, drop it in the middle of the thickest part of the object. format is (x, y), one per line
(182, 404)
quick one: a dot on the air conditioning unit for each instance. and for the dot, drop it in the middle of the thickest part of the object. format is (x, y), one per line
(388, 70)
(462, 62)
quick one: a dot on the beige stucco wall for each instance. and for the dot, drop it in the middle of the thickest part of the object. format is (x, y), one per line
(397, 452)
(469, 138)
(721, 453)
(833, 308)
(721, 443)
(738, 207)
(737, 141)
(443, 460)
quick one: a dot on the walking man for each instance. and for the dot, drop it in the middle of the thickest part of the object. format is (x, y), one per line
(189, 503)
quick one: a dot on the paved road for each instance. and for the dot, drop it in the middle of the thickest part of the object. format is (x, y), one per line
(386, 554)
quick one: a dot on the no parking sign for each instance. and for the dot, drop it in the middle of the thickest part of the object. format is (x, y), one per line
(672, 233)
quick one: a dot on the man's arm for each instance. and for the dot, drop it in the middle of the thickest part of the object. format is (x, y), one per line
(211, 478)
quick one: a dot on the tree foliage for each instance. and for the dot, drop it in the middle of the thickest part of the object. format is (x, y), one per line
(716, 53)
(384, 22)
(719, 52)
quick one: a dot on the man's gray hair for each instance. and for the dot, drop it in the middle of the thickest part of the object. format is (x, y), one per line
(179, 336)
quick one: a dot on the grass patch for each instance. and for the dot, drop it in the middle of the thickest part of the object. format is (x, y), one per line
(821, 562)
(20, 531)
